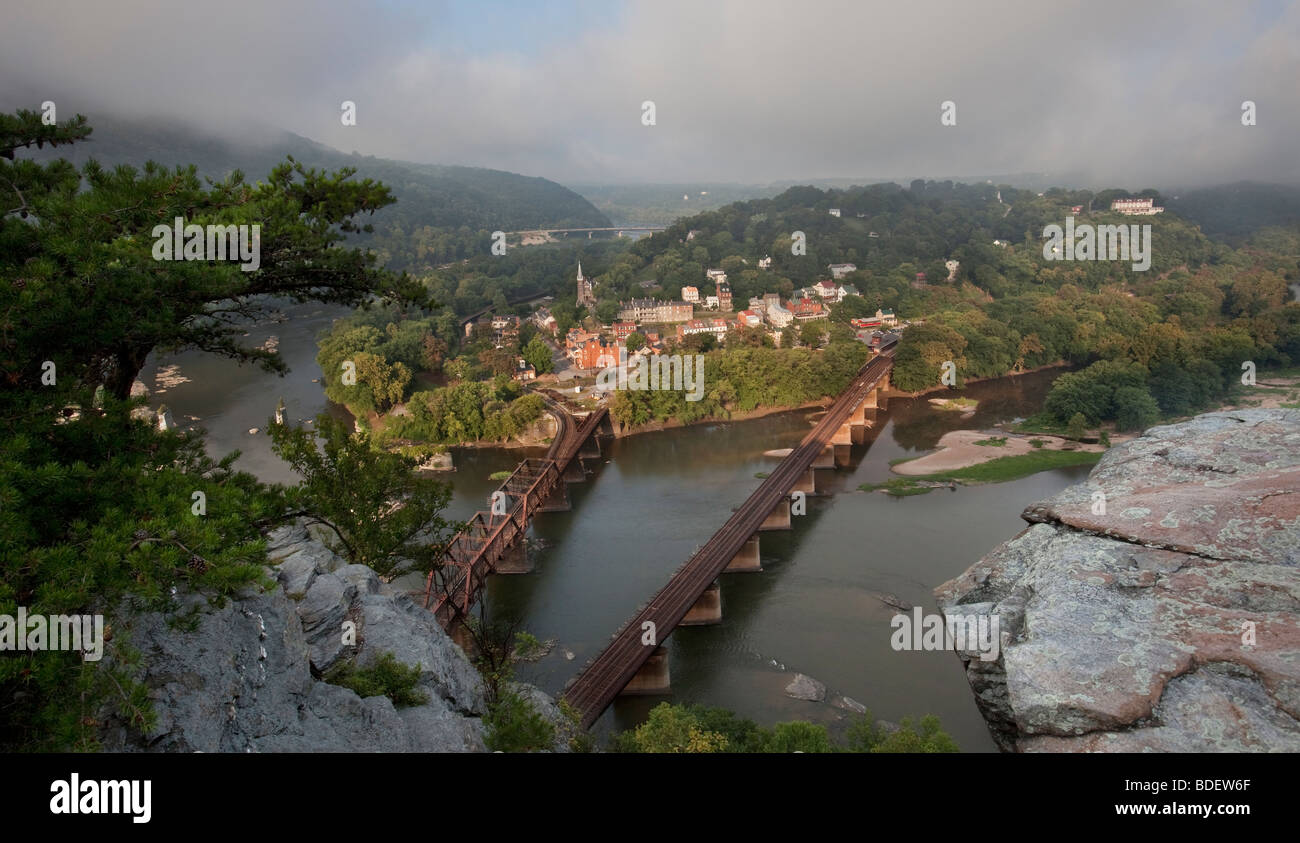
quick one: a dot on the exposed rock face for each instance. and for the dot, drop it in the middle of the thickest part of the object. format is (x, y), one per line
(1167, 620)
(247, 677)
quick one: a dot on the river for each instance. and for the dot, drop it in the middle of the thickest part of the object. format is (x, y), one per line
(656, 496)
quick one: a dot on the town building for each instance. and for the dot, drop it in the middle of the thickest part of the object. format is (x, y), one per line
(839, 270)
(524, 371)
(586, 293)
(622, 330)
(715, 275)
(717, 327)
(691, 294)
(765, 263)
(748, 319)
(505, 330)
(835, 212)
(879, 338)
(778, 315)
(827, 290)
(1136, 207)
(724, 294)
(882, 319)
(544, 319)
(710, 302)
(596, 353)
(806, 310)
(655, 310)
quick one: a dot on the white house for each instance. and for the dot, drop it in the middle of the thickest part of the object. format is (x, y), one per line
(827, 290)
(839, 270)
(835, 212)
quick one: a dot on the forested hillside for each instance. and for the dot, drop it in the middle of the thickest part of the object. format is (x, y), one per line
(1233, 211)
(442, 213)
(1167, 340)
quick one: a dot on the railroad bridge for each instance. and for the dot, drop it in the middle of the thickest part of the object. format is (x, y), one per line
(492, 541)
(635, 661)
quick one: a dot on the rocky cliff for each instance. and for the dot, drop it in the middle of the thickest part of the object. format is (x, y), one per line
(1155, 607)
(245, 677)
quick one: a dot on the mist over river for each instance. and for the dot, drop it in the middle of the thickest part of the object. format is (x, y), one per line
(655, 497)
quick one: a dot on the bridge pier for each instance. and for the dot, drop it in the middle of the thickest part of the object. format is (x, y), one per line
(557, 500)
(746, 559)
(826, 459)
(590, 449)
(575, 473)
(842, 441)
(652, 679)
(807, 482)
(778, 518)
(514, 559)
(707, 610)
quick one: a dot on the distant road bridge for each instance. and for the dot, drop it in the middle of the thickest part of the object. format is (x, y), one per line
(634, 662)
(493, 541)
(619, 229)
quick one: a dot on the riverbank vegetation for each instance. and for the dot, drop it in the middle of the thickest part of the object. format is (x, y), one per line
(899, 487)
(675, 728)
(1002, 469)
(743, 379)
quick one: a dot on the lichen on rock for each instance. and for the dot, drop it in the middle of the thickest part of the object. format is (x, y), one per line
(1155, 607)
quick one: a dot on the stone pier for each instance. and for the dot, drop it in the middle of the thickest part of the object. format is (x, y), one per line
(842, 440)
(652, 679)
(557, 500)
(514, 560)
(778, 518)
(807, 482)
(707, 609)
(746, 559)
(575, 473)
(826, 459)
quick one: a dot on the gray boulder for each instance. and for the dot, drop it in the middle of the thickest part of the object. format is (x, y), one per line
(805, 688)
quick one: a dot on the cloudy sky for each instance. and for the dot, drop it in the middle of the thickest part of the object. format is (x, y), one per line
(1133, 93)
